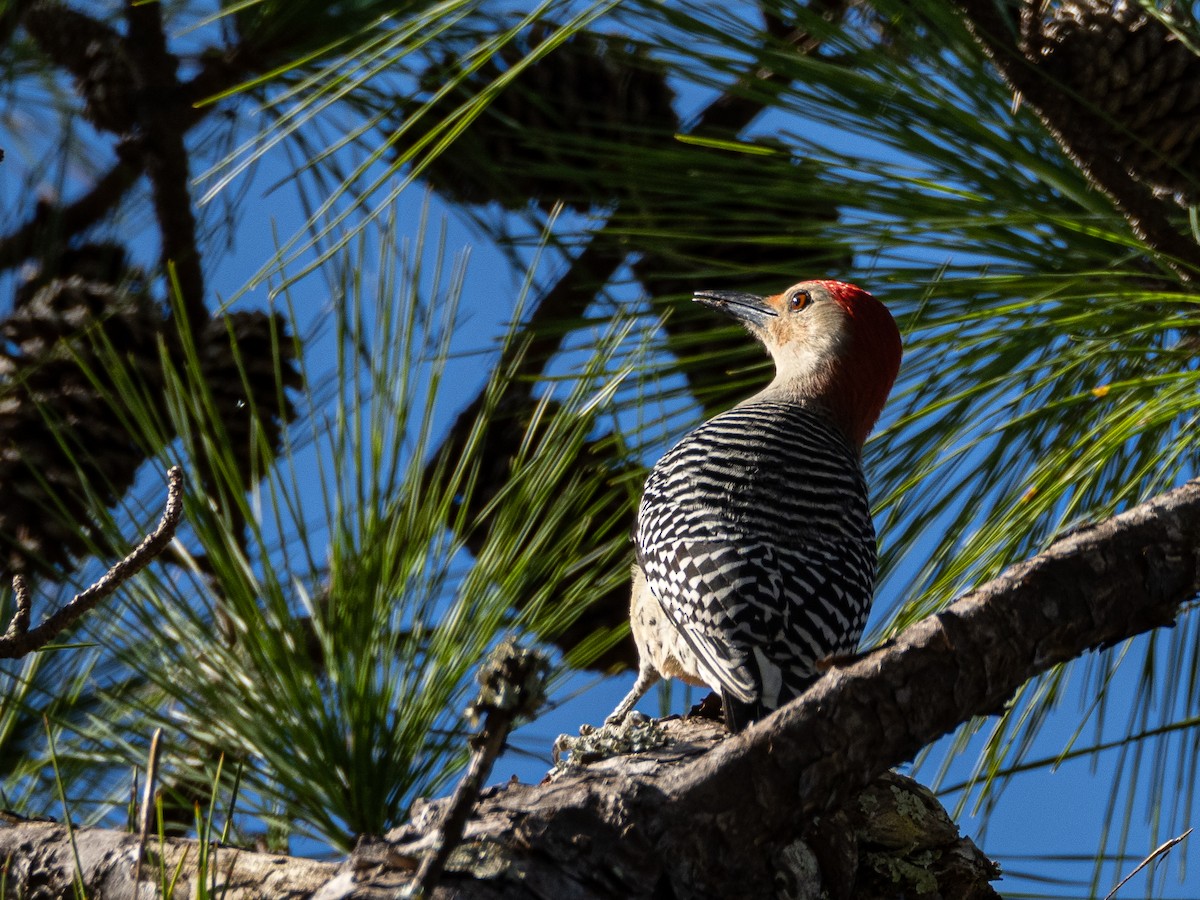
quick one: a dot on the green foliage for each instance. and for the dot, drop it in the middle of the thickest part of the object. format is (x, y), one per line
(332, 657)
(1050, 378)
(334, 663)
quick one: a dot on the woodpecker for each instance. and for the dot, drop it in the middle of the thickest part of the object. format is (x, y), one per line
(756, 552)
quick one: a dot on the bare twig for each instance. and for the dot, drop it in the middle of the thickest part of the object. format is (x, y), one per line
(20, 620)
(1161, 850)
(146, 816)
(18, 640)
(512, 683)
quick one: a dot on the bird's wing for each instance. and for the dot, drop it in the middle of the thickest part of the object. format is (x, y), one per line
(758, 604)
(697, 583)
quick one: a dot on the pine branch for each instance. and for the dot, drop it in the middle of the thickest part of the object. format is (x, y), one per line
(19, 640)
(137, 153)
(164, 120)
(50, 220)
(999, 33)
(708, 815)
(737, 107)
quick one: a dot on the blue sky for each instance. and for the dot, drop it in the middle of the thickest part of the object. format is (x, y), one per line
(1046, 812)
(1041, 813)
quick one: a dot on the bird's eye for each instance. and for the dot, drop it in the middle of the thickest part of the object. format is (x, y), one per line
(799, 301)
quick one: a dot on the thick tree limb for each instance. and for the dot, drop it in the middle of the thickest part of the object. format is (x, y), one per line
(896, 838)
(19, 639)
(1093, 589)
(40, 854)
(710, 828)
(710, 816)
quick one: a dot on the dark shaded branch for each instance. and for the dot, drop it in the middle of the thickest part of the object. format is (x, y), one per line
(994, 24)
(10, 17)
(164, 120)
(737, 107)
(19, 640)
(221, 70)
(48, 219)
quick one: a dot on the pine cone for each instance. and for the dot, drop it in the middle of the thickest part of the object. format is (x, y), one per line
(247, 361)
(59, 435)
(94, 53)
(538, 139)
(1139, 85)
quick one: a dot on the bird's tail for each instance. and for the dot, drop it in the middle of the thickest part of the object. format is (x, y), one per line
(739, 713)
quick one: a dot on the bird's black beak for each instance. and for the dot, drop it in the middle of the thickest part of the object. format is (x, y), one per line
(747, 308)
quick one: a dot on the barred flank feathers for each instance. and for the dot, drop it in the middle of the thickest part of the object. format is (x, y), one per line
(755, 535)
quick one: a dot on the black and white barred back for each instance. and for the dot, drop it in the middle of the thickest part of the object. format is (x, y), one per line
(755, 536)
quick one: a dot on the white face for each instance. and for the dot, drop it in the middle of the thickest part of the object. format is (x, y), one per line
(809, 332)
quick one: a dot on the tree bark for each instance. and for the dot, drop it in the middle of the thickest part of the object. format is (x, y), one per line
(39, 862)
(702, 815)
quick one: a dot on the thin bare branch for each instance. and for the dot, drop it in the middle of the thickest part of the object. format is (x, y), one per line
(1161, 850)
(14, 645)
(20, 620)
